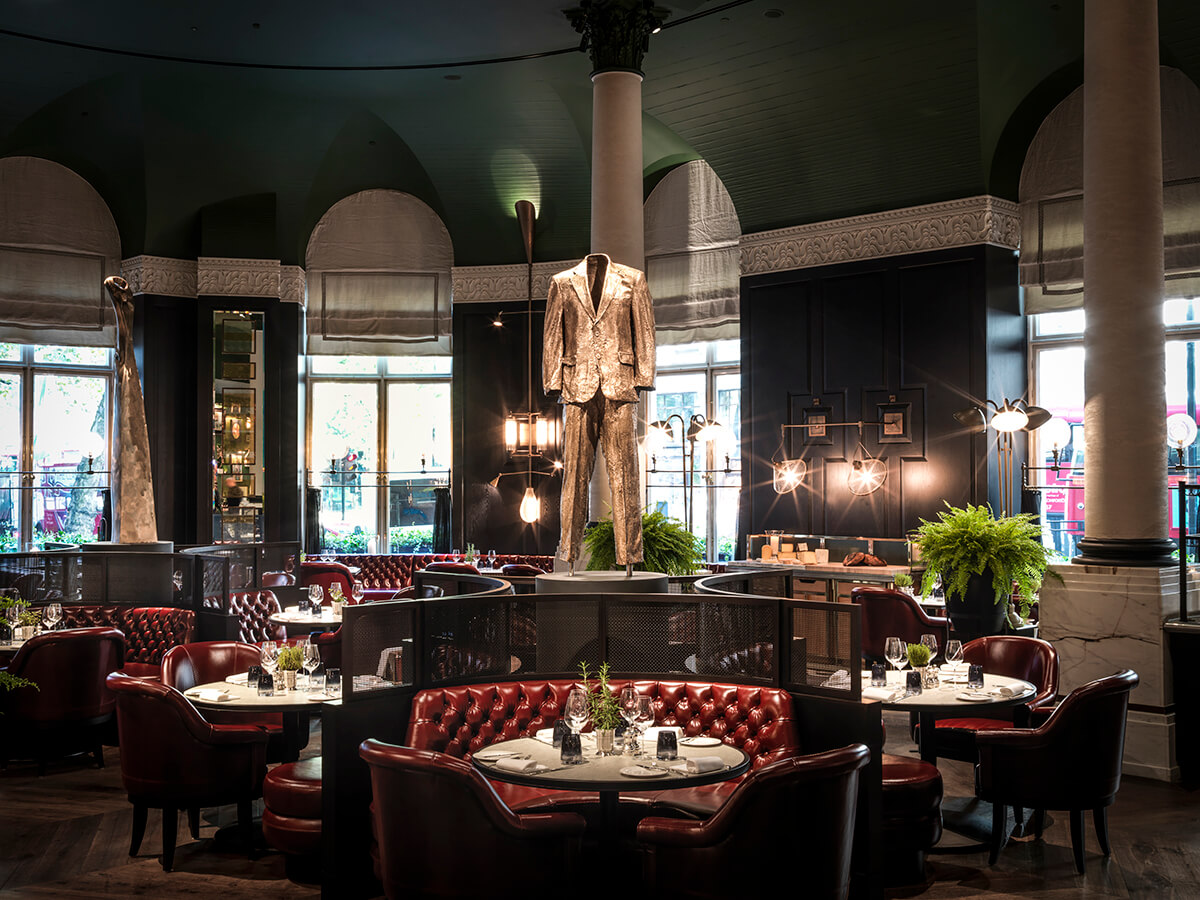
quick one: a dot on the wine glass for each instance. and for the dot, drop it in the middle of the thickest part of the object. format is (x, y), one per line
(954, 653)
(645, 718)
(896, 652)
(316, 596)
(491, 559)
(628, 703)
(930, 641)
(577, 709)
(268, 656)
(312, 660)
(53, 615)
(357, 592)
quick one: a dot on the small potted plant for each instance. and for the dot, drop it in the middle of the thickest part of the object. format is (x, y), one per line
(903, 582)
(291, 659)
(980, 559)
(24, 621)
(918, 657)
(603, 709)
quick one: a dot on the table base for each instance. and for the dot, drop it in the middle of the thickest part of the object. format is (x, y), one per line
(971, 818)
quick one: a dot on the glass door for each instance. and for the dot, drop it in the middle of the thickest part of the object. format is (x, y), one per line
(69, 436)
(11, 431)
(418, 459)
(345, 460)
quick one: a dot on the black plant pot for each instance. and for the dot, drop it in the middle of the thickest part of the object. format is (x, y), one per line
(977, 614)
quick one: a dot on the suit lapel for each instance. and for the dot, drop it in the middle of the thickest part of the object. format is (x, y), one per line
(579, 282)
(609, 285)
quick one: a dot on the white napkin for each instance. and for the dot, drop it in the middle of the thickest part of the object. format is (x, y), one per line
(887, 695)
(1001, 690)
(211, 695)
(955, 667)
(513, 764)
(698, 765)
(545, 735)
(238, 678)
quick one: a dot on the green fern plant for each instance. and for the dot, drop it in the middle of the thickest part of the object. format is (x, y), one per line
(967, 541)
(667, 546)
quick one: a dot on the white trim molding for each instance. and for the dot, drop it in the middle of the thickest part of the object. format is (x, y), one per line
(160, 275)
(935, 226)
(292, 286)
(237, 277)
(479, 284)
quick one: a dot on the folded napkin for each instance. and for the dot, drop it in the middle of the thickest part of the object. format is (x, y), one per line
(887, 695)
(238, 678)
(1004, 691)
(955, 667)
(545, 735)
(211, 695)
(698, 765)
(839, 679)
(515, 764)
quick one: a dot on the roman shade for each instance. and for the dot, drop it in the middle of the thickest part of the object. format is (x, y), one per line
(58, 242)
(1051, 191)
(378, 278)
(693, 263)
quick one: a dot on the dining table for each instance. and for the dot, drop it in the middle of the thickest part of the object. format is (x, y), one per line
(296, 622)
(295, 707)
(609, 775)
(949, 700)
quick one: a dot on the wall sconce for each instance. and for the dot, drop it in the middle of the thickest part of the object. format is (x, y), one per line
(529, 434)
(1009, 417)
(787, 474)
(867, 473)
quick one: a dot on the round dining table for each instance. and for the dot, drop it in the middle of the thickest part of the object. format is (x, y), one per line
(296, 622)
(950, 700)
(603, 774)
(295, 707)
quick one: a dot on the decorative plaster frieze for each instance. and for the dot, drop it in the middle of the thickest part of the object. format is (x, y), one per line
(291, 284)
(936, 226)
(237, 277)
(160, 275)
(478, 284)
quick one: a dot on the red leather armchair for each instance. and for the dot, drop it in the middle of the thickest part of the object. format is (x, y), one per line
(520, 569)
(188, 665)
(327, 574)
(329, 643)
(278, 579)
(800, 809)
(429, 809)
(460, 568)
(1029, 659)
(172, 759)
(887, 613)
(67, 711)
(1072, 762)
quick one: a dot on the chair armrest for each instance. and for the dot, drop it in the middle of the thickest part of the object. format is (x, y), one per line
(238, 734)
(1016, 738)
(674, 832)
(552, 824)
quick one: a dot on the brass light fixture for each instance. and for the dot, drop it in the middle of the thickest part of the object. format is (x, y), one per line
(867, 473)
(1007, 417)
(697, 429)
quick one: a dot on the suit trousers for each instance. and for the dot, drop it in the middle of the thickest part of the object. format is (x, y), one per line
(612, 423)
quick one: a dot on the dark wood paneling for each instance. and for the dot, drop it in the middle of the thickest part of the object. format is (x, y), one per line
(490, 365)
(937, 331)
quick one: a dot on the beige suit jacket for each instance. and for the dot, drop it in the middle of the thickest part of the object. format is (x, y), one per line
(609, 349)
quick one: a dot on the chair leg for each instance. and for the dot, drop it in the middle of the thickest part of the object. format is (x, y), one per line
(999, 831)
(139, 828)
(194, 822)
(1100, 818)
(245, 814)
(1039, 822)
(170, 830)
(1077, 838)
(98, 755)
(1019, 816)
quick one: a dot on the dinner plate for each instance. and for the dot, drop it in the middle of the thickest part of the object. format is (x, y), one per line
(643, 772)
(972, 697)
(493, 755)
(701, 741)
(318, 698)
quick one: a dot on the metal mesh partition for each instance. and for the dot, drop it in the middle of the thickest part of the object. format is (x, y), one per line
(469, 638)
(41, 577)
(281, 556)
(826, 647)
(379, 649)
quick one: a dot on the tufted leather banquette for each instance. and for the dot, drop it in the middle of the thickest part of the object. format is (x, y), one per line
(150, 631)
(254, 610)
(383, 575)
(461, 720)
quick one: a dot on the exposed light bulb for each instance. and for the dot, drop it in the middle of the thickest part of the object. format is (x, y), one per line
(787, 475)
(531, 508)
(866, 476)
(1009, 418)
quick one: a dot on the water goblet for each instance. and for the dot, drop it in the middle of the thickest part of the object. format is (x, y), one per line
(316, 595)
(645, 717)
(312, 660)
(896, 652)
(53, 615)
(577, 709)
(954, 652)
(357, 592)
(930, 641)
(628, 704)
(491, 559)
(268, 656)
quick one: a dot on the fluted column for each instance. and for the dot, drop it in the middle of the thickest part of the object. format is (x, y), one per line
(1125, 399)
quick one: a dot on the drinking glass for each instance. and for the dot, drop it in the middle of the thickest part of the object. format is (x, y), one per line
(577, 709)
(930, 641)
(268, 655)
(312, 661)
(357, 592)
(954, 653)
(975, 677)
(628, 702)
(316, 595)
(457, 554)
(896, 652)
(333, 682)
(491, 559)
(53, 615)
(316, 683)
(645, 718)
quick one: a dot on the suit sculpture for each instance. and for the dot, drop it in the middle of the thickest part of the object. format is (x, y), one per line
(598, 354)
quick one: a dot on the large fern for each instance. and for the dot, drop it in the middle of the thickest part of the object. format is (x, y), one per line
(667, 546)
(967, 541)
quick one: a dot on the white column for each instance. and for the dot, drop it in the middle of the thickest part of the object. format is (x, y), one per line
(1125, 406)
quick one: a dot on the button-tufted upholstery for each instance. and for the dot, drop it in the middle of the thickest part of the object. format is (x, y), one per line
(149, 631)
(254, 610)
(443, 832)
(461, 720)
(382, 575)
(291, 820)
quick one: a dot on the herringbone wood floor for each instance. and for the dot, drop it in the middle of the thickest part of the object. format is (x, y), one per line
(66, 835)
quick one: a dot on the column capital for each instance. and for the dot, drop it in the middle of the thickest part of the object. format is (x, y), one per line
(616, 33)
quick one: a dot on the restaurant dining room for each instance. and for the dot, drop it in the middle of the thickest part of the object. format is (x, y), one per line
(459, 450)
